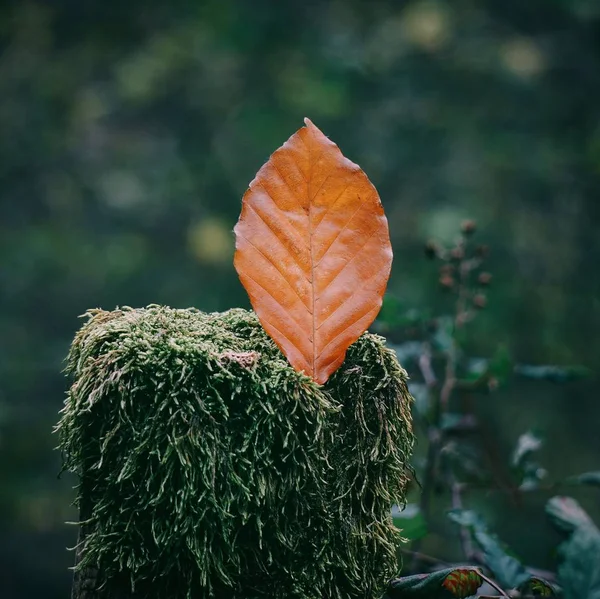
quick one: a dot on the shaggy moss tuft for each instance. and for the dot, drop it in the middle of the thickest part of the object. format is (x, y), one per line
(211, 468)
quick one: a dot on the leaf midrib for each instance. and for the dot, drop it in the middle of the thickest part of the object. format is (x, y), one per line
(312, 261)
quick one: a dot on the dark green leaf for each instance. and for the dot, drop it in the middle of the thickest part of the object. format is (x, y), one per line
(588, 478)
(410, 521)
(467, 518)
(526, 445)
(579, 570)
(537, 587)
(501, 365)
(556, 374)
(451, 583)
(509, 571)
(567, 514)
(531, 473)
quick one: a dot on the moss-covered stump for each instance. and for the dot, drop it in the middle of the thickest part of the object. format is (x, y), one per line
(210, 468)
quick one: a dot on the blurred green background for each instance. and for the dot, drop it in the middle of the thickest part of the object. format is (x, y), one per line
(130, 130)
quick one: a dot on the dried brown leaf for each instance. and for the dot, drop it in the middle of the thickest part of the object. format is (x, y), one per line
(313, 251)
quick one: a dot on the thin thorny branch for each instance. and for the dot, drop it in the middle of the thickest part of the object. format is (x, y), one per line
(465, 536)
(494, 585)
(441, 406)
(441, 402)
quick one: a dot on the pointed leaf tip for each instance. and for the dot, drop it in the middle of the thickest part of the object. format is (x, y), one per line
(308, 122)
(313, 251)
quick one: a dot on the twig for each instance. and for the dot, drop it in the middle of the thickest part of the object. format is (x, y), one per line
(449, 380)
(465, 537)
(440, 408)
(424, 557)
(436, 435)
(428, 481)
(494, 585)
(426, 368)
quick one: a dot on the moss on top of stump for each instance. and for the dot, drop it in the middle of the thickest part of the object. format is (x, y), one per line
(210, 467)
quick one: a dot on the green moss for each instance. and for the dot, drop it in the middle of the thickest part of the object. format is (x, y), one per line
(209, 467)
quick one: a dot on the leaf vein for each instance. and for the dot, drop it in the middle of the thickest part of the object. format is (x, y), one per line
(292, 192)
(362, 203)
(358, 288)
(345, 329)
(356, 253)
(277, 237)
(331, 206)
(285, 311)
(270, 261)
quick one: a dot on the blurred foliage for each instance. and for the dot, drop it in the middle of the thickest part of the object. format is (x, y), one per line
(448, 385)
(130, 131)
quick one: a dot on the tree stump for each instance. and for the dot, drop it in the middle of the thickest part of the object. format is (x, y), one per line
(209, 467)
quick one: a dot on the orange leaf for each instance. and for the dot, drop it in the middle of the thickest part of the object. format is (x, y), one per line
(313, 251)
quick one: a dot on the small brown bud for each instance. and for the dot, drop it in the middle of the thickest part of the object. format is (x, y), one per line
(484, 278)
(468, 227)
(482, 251)
(480, 301)
(457, 253)
(462, 318)
(447, 269)
(431, 249)
(446, 281)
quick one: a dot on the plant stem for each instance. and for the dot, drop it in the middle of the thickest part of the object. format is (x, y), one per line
(494, 585)
(425, 558)
(435, 434)
(426, 368)
(465, 537)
